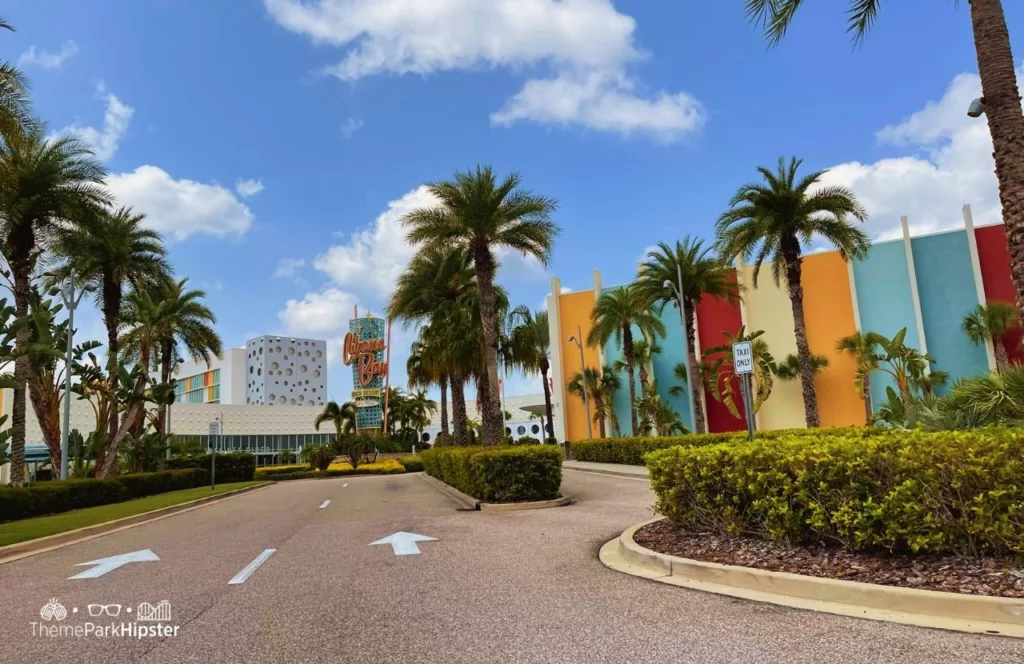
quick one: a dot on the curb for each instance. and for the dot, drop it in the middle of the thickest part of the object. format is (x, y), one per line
(465, 503)
(908, 606)
(19, 550)
(533, 505)
(613, 473)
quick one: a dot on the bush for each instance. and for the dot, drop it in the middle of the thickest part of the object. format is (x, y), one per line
(267, 472)
(412, 464)
(321, 458)
(231, 467)
(526, 440)
(498, 474)
(943, 492)
(385, 467)
(58, 496)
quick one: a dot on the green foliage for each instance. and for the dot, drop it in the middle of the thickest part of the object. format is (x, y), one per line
(725, 383)
(285, 457)
(323, 456)
(186, 447)
(503, 474)
(993, 399)
(789, 368)
(61, 496)
(945, 492)
(412, 464)
(526, 440)
(231, 467)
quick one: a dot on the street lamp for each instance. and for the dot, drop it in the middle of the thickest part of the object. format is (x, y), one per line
(67, 294)
(583, 374)
(677, 290)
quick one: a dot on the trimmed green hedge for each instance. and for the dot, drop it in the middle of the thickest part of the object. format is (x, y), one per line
(323, 474)
(412, 464)
(231, 467)
(631, 450)
(498, 474)
(57, 496)
(944, 492)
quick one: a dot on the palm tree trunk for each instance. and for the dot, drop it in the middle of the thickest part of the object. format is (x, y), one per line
(165, 377)
(493, 422)
(444, 405)
(133, 412)
(549, 428)
(866, 395)
(1002, 358)
(791, 255)
(111, 319)
(21, 268)
(599, 408)
(459, 420)
(696, 379)
(1005, 123)
(627, 352)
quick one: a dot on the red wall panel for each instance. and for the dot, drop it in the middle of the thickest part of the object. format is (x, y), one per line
(995, 276)
(713, 317)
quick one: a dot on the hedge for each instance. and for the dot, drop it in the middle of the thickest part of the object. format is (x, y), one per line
(498, 474)
(384, 467)
(231, 467)
(959, 492)
(631, 450)
(58, 496)
(412, 464)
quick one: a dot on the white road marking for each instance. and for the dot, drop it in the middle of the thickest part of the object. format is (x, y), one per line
(404, 544)
(344, 485)
(109, 564)
(325, 504)
(251, 567)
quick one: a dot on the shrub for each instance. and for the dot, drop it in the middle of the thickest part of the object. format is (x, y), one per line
(384, 467)
(267, 472)
(58, 496)
(943, 492)
(412, 464)
(231, 467)
(526, 440)
(498, 474)
(321, 458)
(286, 457)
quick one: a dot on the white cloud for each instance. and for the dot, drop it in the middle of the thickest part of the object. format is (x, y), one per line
(48, 59)
(287, 267)
(180, 208)
(350, 126)
(116, 120)
(544, 302)
(586, 44)
(247, 188)
(318, 314)
(951, 165)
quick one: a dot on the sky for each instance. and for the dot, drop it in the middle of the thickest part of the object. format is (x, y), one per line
(277, 144)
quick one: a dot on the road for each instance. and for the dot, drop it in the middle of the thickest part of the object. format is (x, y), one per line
(507, 587)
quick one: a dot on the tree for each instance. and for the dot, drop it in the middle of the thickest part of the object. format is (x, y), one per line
(43, 183)
(15, 109)
(343, 417)
(862, 347)
(991, 323)
(480, 215)
(614, 315)
(601, 387)
(721, 371)
(530, 345)
(789, 368)
(703, 273)
(1002, 101)
(424, 370)
(109, 250)
(644, 353)
(770, 220)
(904, 364)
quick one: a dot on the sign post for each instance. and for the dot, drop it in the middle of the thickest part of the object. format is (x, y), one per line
(214, 435)
(743, 366)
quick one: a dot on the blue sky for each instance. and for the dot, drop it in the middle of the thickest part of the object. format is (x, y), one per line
(277, 142)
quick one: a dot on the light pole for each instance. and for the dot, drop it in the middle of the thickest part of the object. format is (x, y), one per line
(583, 374)
(677, 290)
(67, 294)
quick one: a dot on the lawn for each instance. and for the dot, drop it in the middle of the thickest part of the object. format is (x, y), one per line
(28, 529)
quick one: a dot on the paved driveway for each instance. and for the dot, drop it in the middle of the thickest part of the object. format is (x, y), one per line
(506, 587)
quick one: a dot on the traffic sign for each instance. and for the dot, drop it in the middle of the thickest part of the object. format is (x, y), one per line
(742, 358)
(215, 428)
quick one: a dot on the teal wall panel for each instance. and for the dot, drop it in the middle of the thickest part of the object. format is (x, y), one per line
(672, 353)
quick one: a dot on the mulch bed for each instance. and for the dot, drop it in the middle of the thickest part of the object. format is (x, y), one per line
(1001, 577)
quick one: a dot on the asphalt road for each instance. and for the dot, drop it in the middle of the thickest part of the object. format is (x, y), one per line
(507, 587)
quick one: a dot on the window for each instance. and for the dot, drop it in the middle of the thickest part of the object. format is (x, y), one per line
(521, 430)
(534, 429)
(426, 437)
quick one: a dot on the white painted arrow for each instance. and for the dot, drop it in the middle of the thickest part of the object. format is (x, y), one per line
(404, 544)
(104, 565)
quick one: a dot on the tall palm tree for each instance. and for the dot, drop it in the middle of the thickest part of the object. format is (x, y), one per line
(43, 183)
(343, 417)
(530, 345)
(601, 387)
(999, 90)
(15, 108)
(614, 315)
(424, 370)
(109, 250)
(769, 220)
(990, 323)
(703, 273)
(863, 346)
(480, 215)
(644, 352)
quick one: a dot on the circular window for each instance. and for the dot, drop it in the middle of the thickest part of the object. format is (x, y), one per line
(250, 369)
(282, 399)
(319, 353)
(259, 372)
(535, 429)
(288, 371)
(316, 373)
(508, 431)
(271, 395)
(292, 402)
(291, 350)
(278, 349)
(261, 350)
(521, 430)
(248, 400)
(307, 382)
(426, 437)
(274, 365)
(302, 368)
(306, 353)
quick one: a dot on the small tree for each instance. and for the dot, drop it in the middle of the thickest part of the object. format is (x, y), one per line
(724, 378)
(991, 323)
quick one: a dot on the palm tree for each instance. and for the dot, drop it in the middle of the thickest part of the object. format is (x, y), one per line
(530, 345)
(862, 346)
(343, 417)
(424, 370)
(703, 273)
(770, 220)
(644, 353)
(479, 215)
(419, 411)
(721, 371)
(601, 387)
(990, 324)
(42, 184)
(614, 315)
(108, 250)
(789, 368)
(999, 90)
(15, 109)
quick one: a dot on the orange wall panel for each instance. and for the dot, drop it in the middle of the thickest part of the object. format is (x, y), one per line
(828, 312)
(574, 310)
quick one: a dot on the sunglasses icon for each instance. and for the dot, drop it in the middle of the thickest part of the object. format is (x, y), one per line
(97, 610)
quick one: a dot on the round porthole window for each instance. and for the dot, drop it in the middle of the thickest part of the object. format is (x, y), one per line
(521, 430)
(535, 429)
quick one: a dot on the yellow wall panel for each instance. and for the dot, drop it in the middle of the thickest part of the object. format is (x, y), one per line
(574, 310)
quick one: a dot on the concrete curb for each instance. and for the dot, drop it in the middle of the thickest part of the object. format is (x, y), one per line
(613, 473)
(908, 606)
(533, 505)
(12, 552)
(465, 503)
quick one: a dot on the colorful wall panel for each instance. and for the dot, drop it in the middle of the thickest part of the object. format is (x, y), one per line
(828, 313)
(673, 352)
(884, 300)
(995, 275)
(612, 355)
(768, 308)
(574, 311)
(945, 284)
(714, 317)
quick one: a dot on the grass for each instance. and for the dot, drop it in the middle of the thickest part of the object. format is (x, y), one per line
(42, 526)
